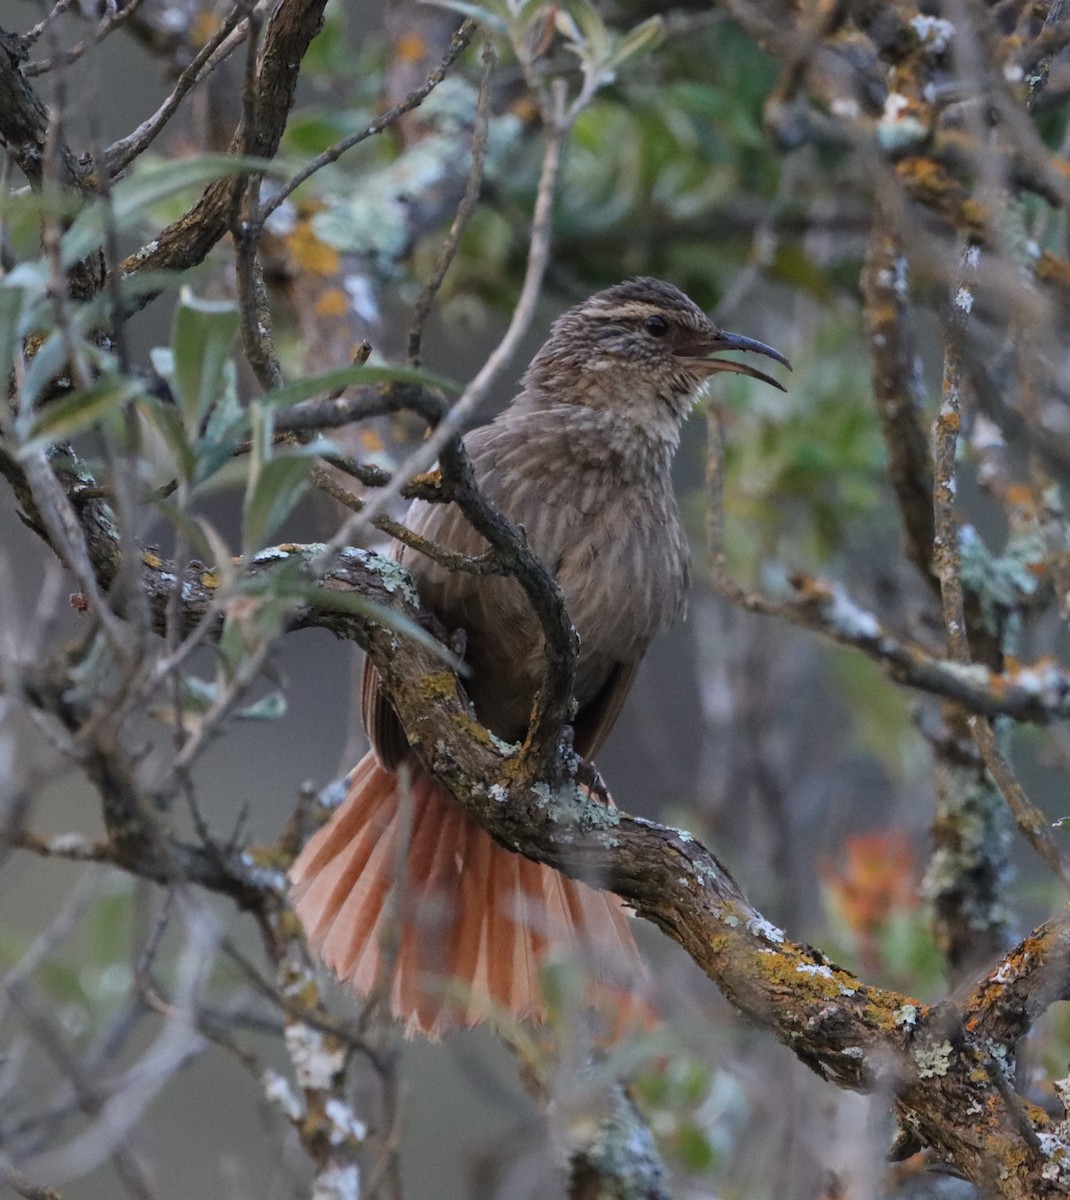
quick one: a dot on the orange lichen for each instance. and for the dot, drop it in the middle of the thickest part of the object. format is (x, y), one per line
(876, 878)
(310, 254)
(331, 303)
(410, 49)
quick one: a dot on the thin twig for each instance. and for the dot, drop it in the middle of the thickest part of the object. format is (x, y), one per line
(1032, 823)
(946, 551)
(457, 44)
(464, 210)
(215, 51)
(110, 23)
(488, 563)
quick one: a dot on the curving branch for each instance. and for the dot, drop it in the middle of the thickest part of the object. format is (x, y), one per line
(947, 1066)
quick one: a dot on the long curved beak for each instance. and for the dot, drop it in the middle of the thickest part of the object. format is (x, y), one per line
(698, 351)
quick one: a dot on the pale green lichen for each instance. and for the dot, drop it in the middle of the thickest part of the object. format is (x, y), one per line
(1000, 584)
(623, 1149)
(933, 1060)
(506, 749)
(907, 1016)
(970, 867)
(374, 220)
(394, 576)
(570, 805)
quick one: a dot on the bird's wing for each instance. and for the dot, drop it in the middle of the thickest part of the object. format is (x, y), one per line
(596, 718)
(444, 592)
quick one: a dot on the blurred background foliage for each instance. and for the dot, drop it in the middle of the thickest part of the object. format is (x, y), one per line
(803, 766)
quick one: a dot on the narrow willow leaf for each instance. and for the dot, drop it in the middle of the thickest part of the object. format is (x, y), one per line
(595, 34)
(332, 600)
(70, 415)
(331, 381)
(165, 420)
(271, 708)
(11, 299)
(201, 337)
(644, 37)
(45, 365)
(131, 198)
(488, 19)
(280, 483)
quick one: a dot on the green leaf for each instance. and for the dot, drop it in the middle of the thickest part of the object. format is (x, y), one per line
(694, 1148)
(11, 299)
(489, 19)
(645, 36)
(165, 420)
(342, 377)
(201, 338)
(352, 602)
(271, 708)
(45, 365)
(595, 36)
(275, 489)
(132, 197)
(70, 415)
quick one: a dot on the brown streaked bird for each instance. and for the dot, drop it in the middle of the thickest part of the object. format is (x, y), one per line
(581, 459)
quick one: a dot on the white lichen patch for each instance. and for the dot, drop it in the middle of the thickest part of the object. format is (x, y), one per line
(69, 843)
(819, 969)
(933, 1060)
(851, 620)
(362, 298)
(935, 32)
(277, 1089)
(846, 108)
(316, 1058)
(345, 1125)
(898, 128)
(964, 300)
(907, 1016)
(337, 1182)
(895, 106)
(760, 927)
(507, 749)
(268, 879)
(1057, 1152)
(271, 554)
(497, 793)
(1005, 974)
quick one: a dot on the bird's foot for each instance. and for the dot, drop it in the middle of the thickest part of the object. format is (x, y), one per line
(587, 776)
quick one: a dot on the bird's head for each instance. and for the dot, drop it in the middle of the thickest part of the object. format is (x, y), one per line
(641, 346)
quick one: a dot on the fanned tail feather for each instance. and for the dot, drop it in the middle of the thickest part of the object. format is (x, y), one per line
(475, 922)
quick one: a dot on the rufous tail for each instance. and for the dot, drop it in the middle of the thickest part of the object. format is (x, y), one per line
(473, 922)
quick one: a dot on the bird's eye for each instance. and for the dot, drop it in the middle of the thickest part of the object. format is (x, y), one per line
(656, 325)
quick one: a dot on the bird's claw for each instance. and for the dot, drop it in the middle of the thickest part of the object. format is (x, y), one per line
(587, 776)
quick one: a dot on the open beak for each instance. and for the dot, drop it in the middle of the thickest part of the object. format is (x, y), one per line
(698, 350)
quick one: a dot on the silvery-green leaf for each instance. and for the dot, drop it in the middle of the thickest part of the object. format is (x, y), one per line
(201, 339)
(72, 414)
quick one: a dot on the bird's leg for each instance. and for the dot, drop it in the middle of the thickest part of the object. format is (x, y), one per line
(457, 643)
(586, 772)
(587, 775)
